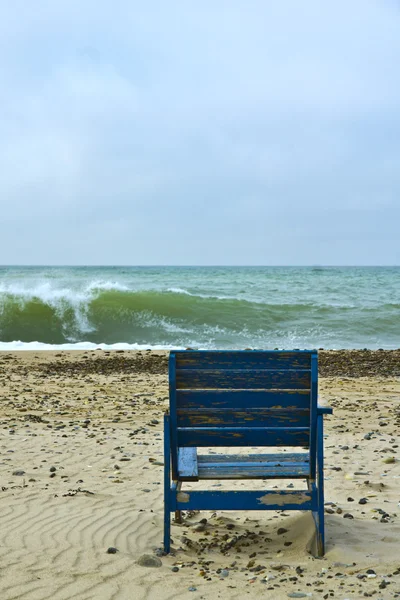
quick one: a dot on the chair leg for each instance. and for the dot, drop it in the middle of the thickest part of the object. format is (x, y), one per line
(320, 489)
(178, 513)
(167, 527)
(167, 485)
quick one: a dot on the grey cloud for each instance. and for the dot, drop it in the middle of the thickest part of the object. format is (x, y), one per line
(200, 133)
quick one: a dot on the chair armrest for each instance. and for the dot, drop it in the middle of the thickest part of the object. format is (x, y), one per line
(324, 410)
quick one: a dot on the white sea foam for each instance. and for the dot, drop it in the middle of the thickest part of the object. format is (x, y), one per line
(108, 285)
(177, 290)
(37, 346)
(61, 298)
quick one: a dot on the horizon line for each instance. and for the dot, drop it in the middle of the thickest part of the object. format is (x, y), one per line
(99, 265)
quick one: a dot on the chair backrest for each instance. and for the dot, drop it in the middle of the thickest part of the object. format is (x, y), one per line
(243, 398)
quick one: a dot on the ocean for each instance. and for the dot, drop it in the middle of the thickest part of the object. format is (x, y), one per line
(200, 307)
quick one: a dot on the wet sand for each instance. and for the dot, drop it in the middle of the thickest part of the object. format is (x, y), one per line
(81, 473)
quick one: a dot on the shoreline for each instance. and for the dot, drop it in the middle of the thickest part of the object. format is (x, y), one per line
(331, 363)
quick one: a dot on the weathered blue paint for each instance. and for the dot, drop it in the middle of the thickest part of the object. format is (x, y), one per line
(243, 359)
(246, 417)
(167, 483)
(188, 469)
(320, 486)
(243, 436)
(273, 459)
(313, 411)
(256, 379)
(245, 398)
(229, 470)
(172, 408)
(244, 500)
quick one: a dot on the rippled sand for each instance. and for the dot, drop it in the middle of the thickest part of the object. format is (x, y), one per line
(81, 471)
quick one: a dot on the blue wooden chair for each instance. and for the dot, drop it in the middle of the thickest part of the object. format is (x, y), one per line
(244, 398)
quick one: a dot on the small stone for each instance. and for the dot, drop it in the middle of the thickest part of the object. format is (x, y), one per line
(112, 550)
(298, 595)
(147, 560)
(192, 588)
(279, 567)
(199, 527)
(224, 573)
(382, 585)
(53, 469)
(389, 461)
(362, 501)
(281, 531)
(19, 473)
(174, 569)
(348, 516)
(350, 499)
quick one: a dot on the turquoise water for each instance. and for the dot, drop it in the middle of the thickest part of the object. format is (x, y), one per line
(204, 307)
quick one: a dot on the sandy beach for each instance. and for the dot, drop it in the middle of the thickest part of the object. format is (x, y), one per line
(81, 492)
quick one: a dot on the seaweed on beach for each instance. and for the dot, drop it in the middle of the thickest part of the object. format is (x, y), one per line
(359, 363)
(108, 364)
(332, 363)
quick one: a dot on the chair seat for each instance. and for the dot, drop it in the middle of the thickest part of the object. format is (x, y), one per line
(259, 466)
(239, 466)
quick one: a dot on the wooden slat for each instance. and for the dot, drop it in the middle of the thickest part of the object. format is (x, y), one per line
(243, 436)
(255, 466)
(242, 379)
(274, 399)
(240, 359)
(243, 500)
(272, 458)
(187, 464)
(253, 471)
(252, 417)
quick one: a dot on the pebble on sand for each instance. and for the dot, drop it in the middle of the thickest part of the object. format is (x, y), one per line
(147, 560)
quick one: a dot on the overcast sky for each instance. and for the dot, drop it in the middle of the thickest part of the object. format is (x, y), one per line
(212, 132)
